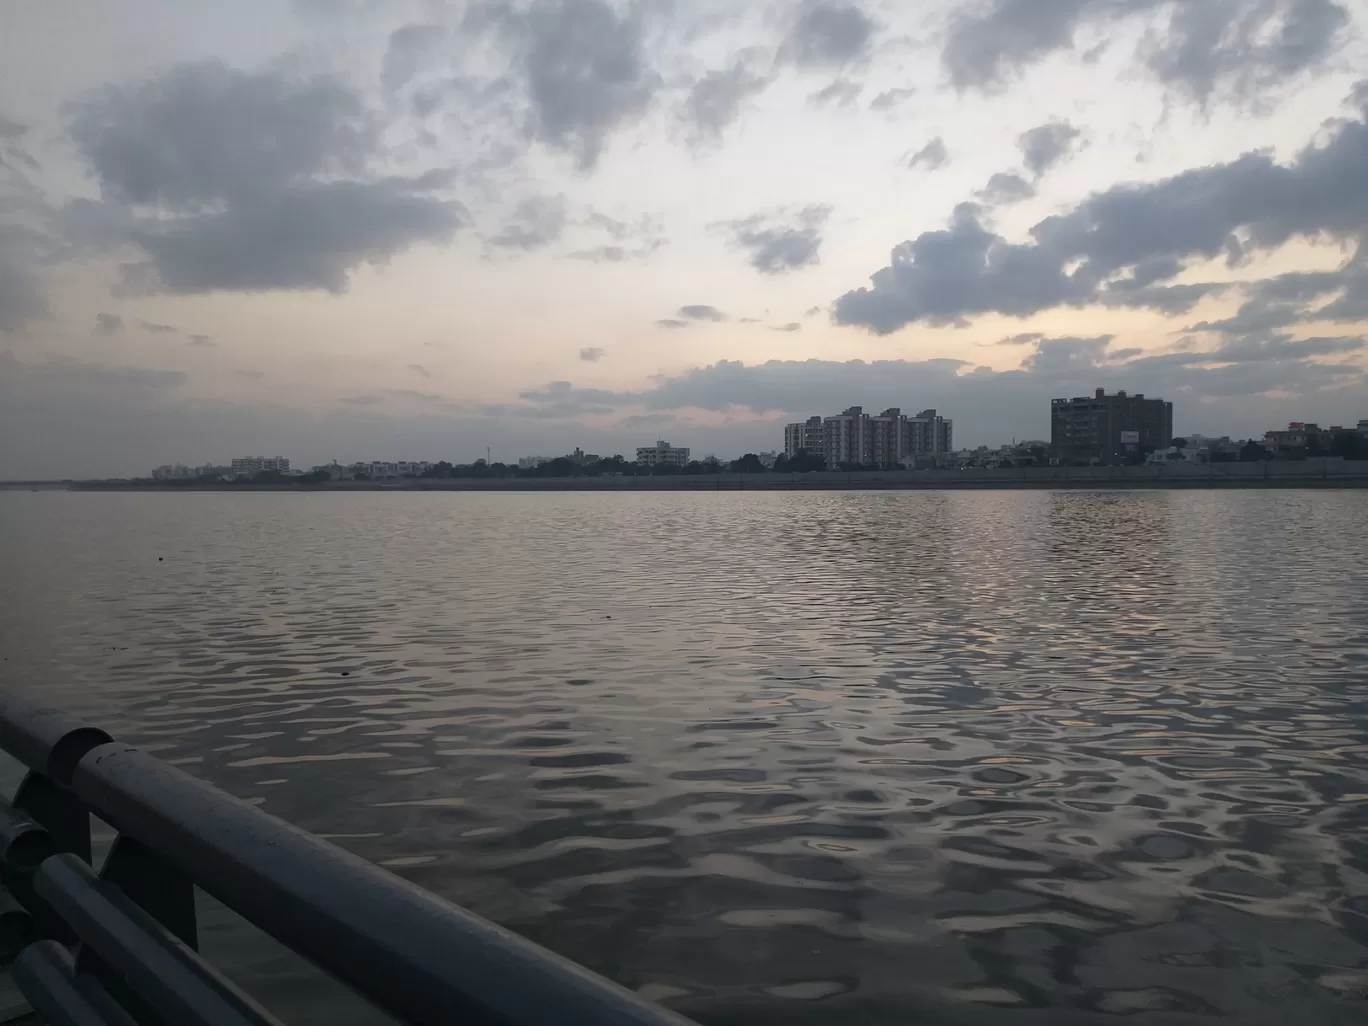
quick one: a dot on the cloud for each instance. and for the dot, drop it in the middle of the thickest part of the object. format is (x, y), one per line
(409, 393)
(154, 328)
(1006, 187)
(672, 323)
(108, 324)
(229, 181)
(586, 71)
(25, 233)
(812, 311)
(933, 156)
(701, 312)
(891, 98)
(1245, 47)
(790, 326)
(634, 240)
(1120, 246)
(410, 49)
(201, 340)
(828, 34)
(592, 354)
(716, 99)
(418, 369)
(1046, 145)
(840, 93)
(781, 240)
(537, 222)
(250, 375)
(361, 400)
(1231, 389)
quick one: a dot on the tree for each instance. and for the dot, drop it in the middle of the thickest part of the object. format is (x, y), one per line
(748, 464)
(1252, 452)
(802, 462)
(1179, 443)
(314, 477)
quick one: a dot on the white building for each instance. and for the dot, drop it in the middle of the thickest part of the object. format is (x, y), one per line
(381, 469)
(888, 439)
(663, 454)
(257, 464)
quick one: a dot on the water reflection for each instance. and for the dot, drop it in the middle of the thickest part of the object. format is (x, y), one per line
(775, 757)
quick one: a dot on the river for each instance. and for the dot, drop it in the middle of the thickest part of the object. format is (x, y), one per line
(840, 758)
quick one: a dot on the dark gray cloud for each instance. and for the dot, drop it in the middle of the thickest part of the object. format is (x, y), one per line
(933, 156)
(410, 49)
(1243, 388)
(537, 222)
(828, 33)
(1197, 47)
(1046, 145)
(154, 328)
(840, 93)
(778, 241)
(789, 327)
(891, 98)
(702, 312)
(108, 324)
(201, 340)
(1243, 46)
(1120, 246)
(716, 100)
(672, 323)
(592, 354)
(1006, 187)
(587, 72)
(418, 369)
(249, 182)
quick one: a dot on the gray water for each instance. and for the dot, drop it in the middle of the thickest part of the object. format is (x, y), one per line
(827, 758)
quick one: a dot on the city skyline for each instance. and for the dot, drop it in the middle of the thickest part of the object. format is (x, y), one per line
(326, 227)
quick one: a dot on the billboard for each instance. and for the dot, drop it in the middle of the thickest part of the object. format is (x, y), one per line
(1130, 441)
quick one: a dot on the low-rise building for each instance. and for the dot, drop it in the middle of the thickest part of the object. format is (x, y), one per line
(379, 469)
(662, 454)
(172, 472)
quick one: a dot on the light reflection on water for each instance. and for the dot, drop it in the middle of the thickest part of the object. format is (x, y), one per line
(828, 757)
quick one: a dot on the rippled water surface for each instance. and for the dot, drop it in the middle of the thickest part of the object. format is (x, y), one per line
(839, 758)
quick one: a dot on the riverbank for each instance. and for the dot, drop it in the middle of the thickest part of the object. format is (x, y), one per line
(1326, 473)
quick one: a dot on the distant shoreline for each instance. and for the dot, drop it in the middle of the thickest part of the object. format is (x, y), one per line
(1217, 476)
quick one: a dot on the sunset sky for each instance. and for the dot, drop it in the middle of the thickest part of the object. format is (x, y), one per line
(366, 230)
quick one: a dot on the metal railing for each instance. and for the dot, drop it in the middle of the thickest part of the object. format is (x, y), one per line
(118, 947)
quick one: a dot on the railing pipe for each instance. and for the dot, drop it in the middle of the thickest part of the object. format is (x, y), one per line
(155, 964)
(47, 741)
(47, 975)
(398, 945)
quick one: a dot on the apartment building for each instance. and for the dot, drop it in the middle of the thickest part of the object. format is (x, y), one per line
(887, 439)
(1109, 427)
(249, 465)
(662, 454)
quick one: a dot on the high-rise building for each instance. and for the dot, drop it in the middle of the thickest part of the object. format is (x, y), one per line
(888, 439)
(663, 454)
(805, 437)
(1109, 427)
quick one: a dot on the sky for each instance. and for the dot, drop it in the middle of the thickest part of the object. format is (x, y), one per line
(360, 230)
